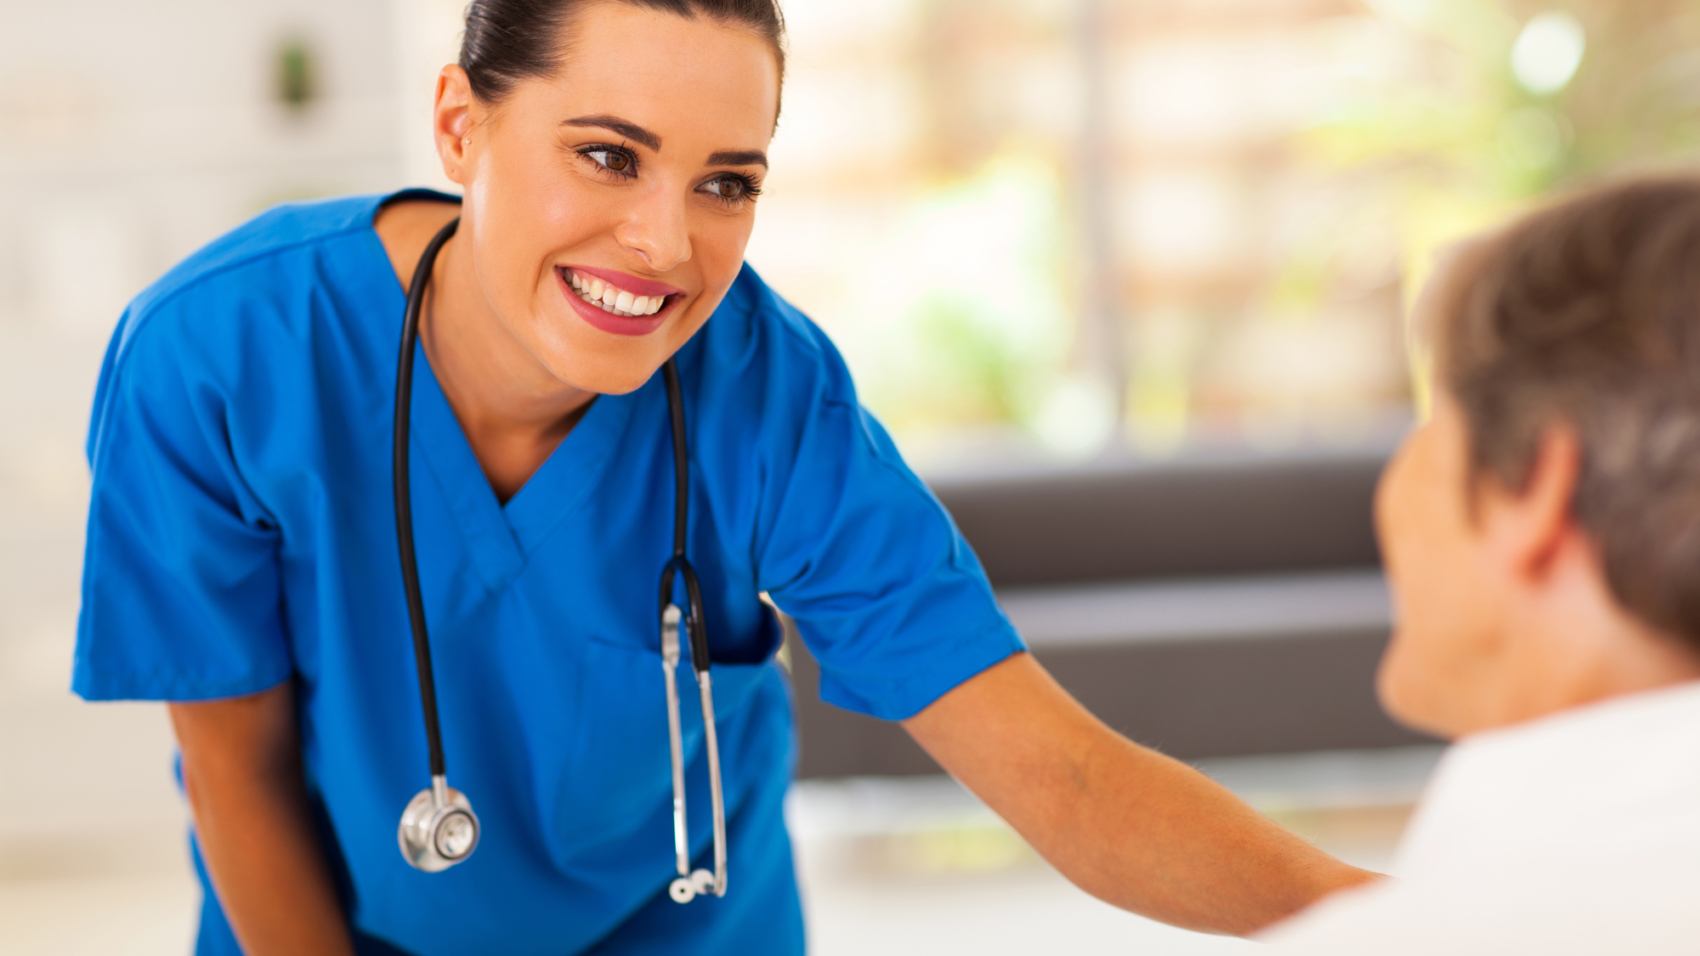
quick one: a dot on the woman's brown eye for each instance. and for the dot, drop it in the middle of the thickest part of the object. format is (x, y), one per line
(613, 160)
(728, 188)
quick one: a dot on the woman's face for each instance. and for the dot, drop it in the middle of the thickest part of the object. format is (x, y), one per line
(608, 206)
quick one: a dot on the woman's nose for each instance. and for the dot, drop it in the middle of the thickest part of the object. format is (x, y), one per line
(657, 230)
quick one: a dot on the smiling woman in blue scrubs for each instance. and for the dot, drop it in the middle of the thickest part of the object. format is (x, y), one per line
(241, 558)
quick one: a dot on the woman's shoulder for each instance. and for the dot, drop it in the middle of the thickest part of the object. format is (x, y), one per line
(762, 376)
(256, 278)
(273, 233)
(756, 331)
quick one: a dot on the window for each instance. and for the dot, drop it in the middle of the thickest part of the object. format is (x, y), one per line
(1064, 229)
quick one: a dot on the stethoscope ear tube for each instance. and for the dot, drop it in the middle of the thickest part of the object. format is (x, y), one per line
(695, 631)
(438, 828)
(689, 884)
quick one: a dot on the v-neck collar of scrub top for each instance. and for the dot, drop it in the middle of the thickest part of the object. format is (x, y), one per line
(501, 537)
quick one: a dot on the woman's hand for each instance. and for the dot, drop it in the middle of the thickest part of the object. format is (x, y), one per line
(1128, 825)
(242, 771)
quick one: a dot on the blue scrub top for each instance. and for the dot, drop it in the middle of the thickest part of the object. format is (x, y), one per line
(242, 534)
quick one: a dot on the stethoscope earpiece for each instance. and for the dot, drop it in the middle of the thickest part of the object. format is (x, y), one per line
(687, 888)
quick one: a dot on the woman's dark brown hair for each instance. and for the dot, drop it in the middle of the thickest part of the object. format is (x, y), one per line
(1587, 315)
(511, 40)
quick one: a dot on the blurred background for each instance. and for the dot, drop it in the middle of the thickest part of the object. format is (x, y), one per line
(1135, 247)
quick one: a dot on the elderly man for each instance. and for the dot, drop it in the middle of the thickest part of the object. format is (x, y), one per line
(1542, 536)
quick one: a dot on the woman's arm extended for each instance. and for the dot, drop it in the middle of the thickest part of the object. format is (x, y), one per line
(1124, 823)
(242, 771)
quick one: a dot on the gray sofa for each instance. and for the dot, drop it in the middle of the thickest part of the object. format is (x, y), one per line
(1204, 607)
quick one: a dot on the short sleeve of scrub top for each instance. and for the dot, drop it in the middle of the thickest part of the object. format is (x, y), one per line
(241, 534)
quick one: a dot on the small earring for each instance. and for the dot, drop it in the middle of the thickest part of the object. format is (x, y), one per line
(467, 141)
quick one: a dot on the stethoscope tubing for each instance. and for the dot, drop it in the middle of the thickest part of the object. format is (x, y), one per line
(679, 564)
(404, 496)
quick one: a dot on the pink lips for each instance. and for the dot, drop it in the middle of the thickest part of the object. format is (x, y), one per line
(608, 321)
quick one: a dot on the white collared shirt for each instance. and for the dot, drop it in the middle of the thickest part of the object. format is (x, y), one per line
(1578, 833)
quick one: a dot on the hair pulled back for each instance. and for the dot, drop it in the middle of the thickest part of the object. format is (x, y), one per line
(511, 40)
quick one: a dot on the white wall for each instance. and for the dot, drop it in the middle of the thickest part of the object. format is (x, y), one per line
(427, 37)
(130, 134)
(133, 132)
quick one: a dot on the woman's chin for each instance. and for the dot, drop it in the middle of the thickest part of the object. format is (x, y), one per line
(605, 377)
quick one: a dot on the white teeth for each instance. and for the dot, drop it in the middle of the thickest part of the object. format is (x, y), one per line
(610, 298)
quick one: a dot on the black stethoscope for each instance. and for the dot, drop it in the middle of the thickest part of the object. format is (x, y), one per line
(438, 828)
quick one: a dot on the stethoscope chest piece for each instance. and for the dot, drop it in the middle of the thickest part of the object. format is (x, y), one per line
(438, 828)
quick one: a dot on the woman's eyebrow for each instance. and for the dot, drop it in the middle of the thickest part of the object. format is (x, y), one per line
(739, 157)
(632, 131)
(615, 124)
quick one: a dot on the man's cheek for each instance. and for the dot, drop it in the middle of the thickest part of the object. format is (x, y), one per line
(1409, 681)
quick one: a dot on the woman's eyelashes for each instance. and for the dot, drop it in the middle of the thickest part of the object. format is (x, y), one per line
(617, 161)
(732, 189)
(729, 189)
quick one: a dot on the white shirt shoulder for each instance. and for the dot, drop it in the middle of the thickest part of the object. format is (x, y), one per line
(1573, 835)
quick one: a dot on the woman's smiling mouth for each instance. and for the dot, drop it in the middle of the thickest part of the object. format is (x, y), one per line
(616, 302)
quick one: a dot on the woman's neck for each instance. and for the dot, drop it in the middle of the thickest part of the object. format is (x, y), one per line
(514, 411)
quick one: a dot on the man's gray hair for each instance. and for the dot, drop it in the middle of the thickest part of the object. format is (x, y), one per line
(1587, 314)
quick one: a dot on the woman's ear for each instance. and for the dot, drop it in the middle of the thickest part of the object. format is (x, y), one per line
(452, 121)
(1531, 527)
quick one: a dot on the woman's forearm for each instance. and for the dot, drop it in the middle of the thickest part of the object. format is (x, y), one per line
(1126, 824)
(253, 823)
(1150, 834)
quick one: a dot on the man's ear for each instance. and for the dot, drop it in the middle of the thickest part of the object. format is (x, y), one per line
(452, 121)
(1530, 528)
